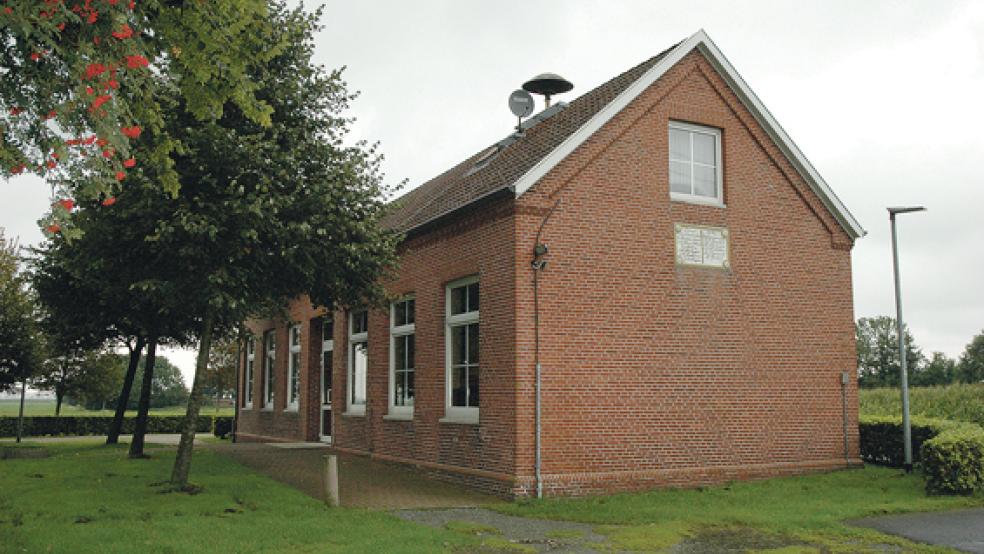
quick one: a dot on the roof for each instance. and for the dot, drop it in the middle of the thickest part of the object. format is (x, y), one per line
(522, 159)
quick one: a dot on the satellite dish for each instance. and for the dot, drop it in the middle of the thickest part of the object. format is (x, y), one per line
(521, 103)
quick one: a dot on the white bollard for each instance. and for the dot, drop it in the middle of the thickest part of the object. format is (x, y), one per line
(331, 480)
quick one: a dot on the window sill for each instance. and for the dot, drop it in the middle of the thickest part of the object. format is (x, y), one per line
(354, 413)
(459, 420)
(246, 409)
(698, 200)
(398, 417)
(290, 410)
(270, 409)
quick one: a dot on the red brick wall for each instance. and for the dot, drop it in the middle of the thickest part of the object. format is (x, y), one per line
(660, 374)
(653, 374)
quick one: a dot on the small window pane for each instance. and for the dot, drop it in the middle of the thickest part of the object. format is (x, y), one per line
(473, 343)
(473, 373)
(328, 328)
(679, 145)
(458, 352)
(704, 181)
(410, 352)
(400, 313)
(680, 177)
(399, 353)
(473, 297)
(360, 362)
(459, 377)
(459, 300)
(360, 322)
(411, 308)
(295, 336)
(409, 388)
(704, 149)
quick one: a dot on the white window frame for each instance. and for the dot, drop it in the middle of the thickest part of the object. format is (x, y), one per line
(717, 201)
(293, 373)
(327, 347)
(249, 372)
(269, 369)
(356, 338)
(397, 332)
(457, 414)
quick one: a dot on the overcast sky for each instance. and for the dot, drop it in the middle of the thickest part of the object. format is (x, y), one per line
(883, 97)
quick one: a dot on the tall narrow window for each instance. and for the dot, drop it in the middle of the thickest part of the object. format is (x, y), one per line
(248, 379)
(461, 343)
(402, 329)
(294, 369)
(327, 364)
(358, 361)
(269, 363)
(695, 164)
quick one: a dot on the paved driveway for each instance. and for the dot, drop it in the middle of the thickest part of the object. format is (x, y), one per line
(362, 482)
(960, 529)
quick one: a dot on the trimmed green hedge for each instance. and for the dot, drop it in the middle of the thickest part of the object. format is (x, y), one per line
(222, 426)
(951, 453)
(40, 426)
(953, 461)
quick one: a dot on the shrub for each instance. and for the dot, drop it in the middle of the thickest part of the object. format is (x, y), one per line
(222, 426)
(954, 402)
(39, 426)
(881, 437)
(953, 461)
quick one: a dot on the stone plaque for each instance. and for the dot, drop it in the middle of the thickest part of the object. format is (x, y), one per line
(698, 245)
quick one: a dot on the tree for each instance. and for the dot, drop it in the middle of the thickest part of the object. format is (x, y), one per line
(101, 380)
(63, 372)
(878, 352)
(79, 78)
(274, 212)
(20, 354)
(167, 388)
(223, 363)
(939, 370)
(971, 367)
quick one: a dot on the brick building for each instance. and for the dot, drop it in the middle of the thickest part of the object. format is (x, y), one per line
(694, 316)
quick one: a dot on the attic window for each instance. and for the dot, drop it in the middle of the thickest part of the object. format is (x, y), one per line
(695, 164)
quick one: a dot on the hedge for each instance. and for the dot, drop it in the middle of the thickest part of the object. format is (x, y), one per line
(953, 461)
(99, 425)
(951, 453)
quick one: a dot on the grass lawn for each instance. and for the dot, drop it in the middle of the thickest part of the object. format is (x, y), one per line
(47, 408)
(792, 514)
(92, 499)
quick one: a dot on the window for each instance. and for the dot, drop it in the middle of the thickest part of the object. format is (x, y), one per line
(695, 164)
(269, 361)
(461, 343)
(294, 369)
(402, 330)
(358, 361)
(250, 364)
(327, 364)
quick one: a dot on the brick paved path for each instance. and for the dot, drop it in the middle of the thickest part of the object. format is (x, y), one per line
(362, 482)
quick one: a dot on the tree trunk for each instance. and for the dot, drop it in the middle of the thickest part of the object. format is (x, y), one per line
(113, 436)
(59, 396)
(20, 414)
(182, 462)
(140, 428)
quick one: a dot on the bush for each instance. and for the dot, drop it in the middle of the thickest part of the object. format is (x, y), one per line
(40, 426)
(222, 426)
(881, 437)
(953, 402)
(953, 461)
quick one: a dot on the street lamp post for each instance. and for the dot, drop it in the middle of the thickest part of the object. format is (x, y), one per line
(906, 428)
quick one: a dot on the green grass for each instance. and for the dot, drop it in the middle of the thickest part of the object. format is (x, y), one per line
(794, 512)
(47, 408)
(92, 499)
(958, 402)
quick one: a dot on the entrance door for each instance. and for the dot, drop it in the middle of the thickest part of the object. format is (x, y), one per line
(327, 351)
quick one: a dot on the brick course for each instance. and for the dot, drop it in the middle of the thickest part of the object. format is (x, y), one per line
(654, 374)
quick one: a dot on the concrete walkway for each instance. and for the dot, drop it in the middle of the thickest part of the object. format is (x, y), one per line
(362, 482)
(959, 529)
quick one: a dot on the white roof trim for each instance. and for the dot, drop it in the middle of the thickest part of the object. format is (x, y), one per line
(702, 41)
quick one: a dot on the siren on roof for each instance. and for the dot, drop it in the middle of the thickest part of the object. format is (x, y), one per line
(547, 84)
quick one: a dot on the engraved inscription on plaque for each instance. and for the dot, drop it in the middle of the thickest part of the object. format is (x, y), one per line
(702, 246)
